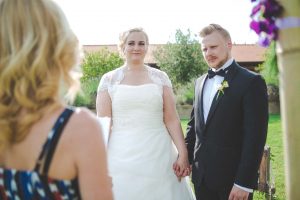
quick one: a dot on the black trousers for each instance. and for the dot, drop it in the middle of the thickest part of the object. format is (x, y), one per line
(204, 193)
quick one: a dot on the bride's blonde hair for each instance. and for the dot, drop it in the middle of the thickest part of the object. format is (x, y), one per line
(124, 35)
(38, 51)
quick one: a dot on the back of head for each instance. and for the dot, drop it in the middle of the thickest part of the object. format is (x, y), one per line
(124, 35)
(212, 28)
(37, 50)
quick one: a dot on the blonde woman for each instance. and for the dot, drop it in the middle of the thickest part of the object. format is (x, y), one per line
(47, 150)
(141, 156)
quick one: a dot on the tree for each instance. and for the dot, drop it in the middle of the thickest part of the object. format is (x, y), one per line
(269, 69)
(95, 64)
(181, 60)
(98, 63)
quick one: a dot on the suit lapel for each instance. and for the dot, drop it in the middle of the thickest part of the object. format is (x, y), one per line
(213, 106)
(199, 98)
(217, 99)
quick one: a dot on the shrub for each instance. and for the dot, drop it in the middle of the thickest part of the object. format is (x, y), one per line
(185, 94)
(87, 96)
(269, 69)
(95, 64)
(98, 63)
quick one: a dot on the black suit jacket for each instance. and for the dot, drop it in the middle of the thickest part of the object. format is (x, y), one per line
(228, 148)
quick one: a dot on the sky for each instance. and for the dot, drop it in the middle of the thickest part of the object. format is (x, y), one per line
(97, 22)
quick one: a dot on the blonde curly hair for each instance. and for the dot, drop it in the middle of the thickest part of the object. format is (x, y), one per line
(38, 51)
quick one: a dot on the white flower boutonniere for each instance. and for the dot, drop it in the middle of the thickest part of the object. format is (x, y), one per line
(222, 88)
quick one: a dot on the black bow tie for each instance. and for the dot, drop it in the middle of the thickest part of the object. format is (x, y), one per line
(221, 72)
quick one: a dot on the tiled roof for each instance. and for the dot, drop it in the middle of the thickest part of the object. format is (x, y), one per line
(248, 52)
(241, 52)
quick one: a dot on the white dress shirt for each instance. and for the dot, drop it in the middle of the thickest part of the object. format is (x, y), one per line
(209, 91)
(211, 87)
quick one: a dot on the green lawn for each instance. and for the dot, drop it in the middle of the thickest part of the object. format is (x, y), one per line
(275, 142)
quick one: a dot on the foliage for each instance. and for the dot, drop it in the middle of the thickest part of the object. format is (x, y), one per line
(181, 60)
(87, 96)
(269, 68)
(275, 141)
(95, 64)
(185, 94)
(98, 63)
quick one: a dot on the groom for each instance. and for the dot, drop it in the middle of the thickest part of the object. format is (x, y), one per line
(227, 130)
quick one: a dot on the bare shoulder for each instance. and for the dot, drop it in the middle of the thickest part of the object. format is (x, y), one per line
(83, 124)
(83, 115)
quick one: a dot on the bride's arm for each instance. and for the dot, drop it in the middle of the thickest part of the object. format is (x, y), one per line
(104, 112)
(173, 125)
(103, 104)
(104, 107)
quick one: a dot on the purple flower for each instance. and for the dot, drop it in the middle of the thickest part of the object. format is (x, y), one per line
(272, 28)
(264, 26)
(254, 25)
(264, 15)
(272, 9)
(264, 41)
(255, 9)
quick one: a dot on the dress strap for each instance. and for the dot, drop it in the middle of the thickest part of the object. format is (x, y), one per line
(45, 157)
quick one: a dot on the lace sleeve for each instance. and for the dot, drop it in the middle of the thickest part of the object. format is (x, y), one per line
(104, 83)
(110, 79)
(165, 80)
(159, 77)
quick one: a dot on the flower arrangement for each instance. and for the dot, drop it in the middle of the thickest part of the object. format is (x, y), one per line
(222, 88)
(264, 16)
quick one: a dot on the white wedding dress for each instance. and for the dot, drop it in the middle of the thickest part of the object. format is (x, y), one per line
(140, 150)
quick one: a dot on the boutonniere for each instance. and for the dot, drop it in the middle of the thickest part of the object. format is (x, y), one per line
(222, 88)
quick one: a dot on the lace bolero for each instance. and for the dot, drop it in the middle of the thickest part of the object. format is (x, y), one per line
(115, 77)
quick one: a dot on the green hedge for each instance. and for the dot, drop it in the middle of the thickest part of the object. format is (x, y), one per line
(95, 64)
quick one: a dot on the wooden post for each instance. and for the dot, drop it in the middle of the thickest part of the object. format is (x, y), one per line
(265, 181)
(288, 54)
(263, 171)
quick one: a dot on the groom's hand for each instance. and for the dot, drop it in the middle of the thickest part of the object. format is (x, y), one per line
(238, 194)
(181, 172)
(187, 171)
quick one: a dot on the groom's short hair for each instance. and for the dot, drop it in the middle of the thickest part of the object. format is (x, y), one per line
(212, 28)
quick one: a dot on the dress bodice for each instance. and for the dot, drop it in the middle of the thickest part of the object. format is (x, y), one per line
(115, 77)
(137, 106)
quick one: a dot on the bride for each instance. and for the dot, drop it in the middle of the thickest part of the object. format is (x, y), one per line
(143, 161)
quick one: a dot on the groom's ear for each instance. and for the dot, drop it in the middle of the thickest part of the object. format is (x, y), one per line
(229, 44)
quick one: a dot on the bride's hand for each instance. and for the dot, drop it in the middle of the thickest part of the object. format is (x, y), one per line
(181, 166)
